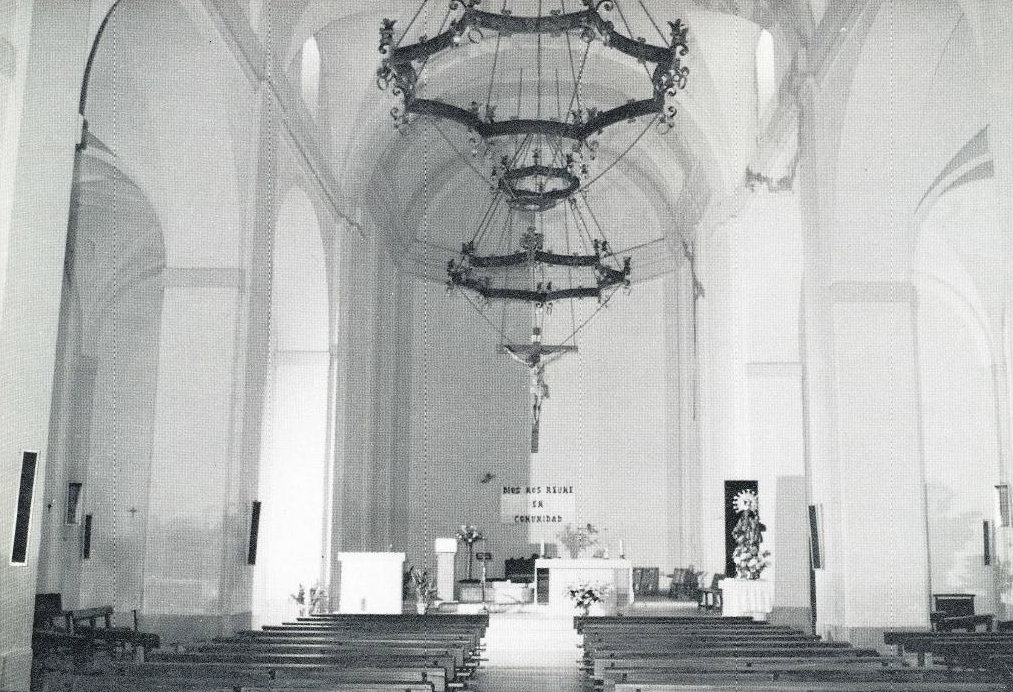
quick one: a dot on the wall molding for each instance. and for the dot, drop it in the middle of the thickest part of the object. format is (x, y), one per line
(248, 50)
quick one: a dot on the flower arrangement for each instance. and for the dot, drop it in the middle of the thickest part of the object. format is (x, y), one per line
(469, 535)
(586, 595)
(749, 560)
(317, 597)
(579, 539)
(311, 603)
(423, 585)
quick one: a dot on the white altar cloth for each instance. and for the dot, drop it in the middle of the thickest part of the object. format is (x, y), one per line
(753, 597)
(563, 573)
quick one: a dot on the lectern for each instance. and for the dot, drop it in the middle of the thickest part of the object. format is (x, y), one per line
(370, 582)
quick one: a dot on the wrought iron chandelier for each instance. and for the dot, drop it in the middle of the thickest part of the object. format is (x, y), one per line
(540, 144)
(516, 89)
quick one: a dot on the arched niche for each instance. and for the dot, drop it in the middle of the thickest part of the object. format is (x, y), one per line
(104, 388)
(955, 269)
(184, 137)
(294, 460)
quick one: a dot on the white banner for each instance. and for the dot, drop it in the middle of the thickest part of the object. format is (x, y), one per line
(537, 504)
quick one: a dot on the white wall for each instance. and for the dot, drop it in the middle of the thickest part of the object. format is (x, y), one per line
(605, 425)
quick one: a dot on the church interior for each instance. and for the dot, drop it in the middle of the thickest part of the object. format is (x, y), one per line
(506, 345)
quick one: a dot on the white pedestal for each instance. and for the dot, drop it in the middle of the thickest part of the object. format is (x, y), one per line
(752, 597)
(617, 574)
(370, 582)
(446, 555)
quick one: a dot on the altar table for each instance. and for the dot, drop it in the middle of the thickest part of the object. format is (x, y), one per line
(753, 597)
(370, 582)
(557, 575)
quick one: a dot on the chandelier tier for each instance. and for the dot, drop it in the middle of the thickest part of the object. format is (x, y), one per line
(539, 258)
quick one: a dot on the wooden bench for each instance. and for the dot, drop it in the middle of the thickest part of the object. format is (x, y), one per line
(289, 675)
(86, 622)
(883, 676)
(667, 656)
(818, 686)
(354, 654)
(960, 646)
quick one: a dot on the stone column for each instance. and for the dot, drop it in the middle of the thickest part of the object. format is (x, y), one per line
(44, 47)
(883, 550)
(192, 556)
(684, 455)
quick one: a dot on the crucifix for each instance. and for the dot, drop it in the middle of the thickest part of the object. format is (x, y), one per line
(535, 356)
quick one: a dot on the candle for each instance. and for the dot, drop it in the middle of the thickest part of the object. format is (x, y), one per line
(541, 549)
(621, 553)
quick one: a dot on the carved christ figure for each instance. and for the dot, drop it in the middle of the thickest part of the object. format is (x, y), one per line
(535, 356)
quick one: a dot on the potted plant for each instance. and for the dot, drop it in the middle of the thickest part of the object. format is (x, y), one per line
(469, 535)
(586, 595)
(317, 597)
(423, 585)
(579, 539)
(300, 600)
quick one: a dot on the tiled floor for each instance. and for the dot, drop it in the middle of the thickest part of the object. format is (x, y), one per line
(529, 652)
(538, 652)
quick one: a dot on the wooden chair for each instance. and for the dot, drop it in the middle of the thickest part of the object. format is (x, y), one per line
(49, 613)
(645, 581)
(675, 586)
(691, 584)
(710, 597)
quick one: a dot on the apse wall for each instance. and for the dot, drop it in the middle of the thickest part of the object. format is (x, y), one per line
(468, 417)
(605, 425)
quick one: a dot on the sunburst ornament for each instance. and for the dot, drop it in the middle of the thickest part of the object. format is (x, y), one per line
(745, 499)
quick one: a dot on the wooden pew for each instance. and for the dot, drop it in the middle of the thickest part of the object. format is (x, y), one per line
(287, 675)
(340, 658)
(600, 666)
(817, 686)
(462, 657)
(889, 675)
(653, 656)
(580, 621)
(968, 649)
